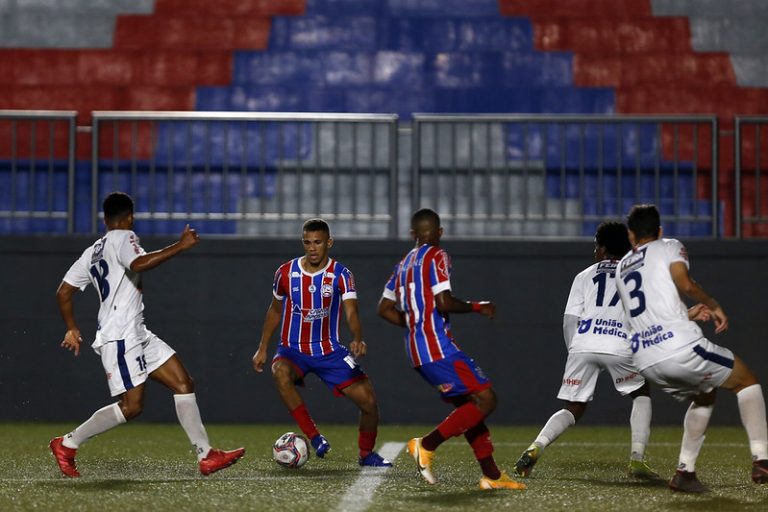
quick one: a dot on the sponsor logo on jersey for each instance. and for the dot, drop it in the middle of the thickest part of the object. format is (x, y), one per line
(98, 251)
(326, 290)
(609, 327)
(571, 382)
(444, 388)
(633, 261)
(330, 275)
(295, 274)
(312, 288)
(606, 267)
(316, 314)
(627, 378)
(650, 337)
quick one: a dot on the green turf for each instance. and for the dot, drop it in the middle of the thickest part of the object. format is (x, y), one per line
(150, 467)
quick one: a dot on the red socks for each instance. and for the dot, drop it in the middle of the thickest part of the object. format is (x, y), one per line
(305, 422)
(366, 441)
(460, 420)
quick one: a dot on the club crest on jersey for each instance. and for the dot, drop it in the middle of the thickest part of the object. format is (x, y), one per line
(312, 288)
(326, 290)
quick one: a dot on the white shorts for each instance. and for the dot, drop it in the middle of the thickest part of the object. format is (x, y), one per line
(698, 369)
(582, 369)
(128, 364)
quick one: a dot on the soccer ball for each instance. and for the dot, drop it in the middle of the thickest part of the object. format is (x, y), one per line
(291, 450)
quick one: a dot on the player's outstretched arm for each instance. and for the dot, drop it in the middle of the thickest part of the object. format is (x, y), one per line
(447, 303)
(357, 346)
(188, 239)
(691, 289)
(390, 313)
(271, 321)
(72, 338)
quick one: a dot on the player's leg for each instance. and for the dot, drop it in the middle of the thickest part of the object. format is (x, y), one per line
(578, 387)
(628, 381)
(694, 429)
(640, 426)
(361, 393)
(288, 368)
(751, 402)
(126, 377)
(165, 367)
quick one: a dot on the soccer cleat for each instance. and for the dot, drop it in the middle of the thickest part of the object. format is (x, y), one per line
(374, 460)
(760, 471)
(641, 469)
(219, 459)
(423, 458)
(686, 481)
(65, 457)
(321, 445)
(527, 460)
(503, 482)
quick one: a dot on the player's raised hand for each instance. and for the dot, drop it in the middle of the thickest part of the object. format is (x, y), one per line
(72, 340)
(188, 238)
(487, 308)
(720, 319)
(258, 360)
(358, 348)
(699, 313)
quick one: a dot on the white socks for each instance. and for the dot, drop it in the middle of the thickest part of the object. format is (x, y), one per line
(556, 425)
(189, 417)
(640, 424)
(695, 425)
(752, 410)
(102, 420)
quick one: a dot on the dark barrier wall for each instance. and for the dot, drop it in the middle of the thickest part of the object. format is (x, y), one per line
(209, 304)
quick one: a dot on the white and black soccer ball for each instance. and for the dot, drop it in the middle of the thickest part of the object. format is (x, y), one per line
(291, 450)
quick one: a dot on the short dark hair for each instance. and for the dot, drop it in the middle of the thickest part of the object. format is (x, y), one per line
(644, 220)
(317, 225)
(613, 235)
(425, 214)
(117, 206)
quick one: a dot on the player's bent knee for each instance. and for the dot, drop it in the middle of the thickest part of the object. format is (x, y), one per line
(486, 401)
(131, 409)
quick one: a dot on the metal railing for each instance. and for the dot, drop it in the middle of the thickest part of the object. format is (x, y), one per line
(750, 198)
(251, 173)
(37, 170)
(499, 175)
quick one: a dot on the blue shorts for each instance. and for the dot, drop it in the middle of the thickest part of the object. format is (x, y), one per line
(337, 369)
(456, 375)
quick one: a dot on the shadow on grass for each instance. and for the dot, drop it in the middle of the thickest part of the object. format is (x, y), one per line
(720, 503)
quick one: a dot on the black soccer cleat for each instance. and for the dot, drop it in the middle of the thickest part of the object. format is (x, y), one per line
(686, 481)
(760, 471)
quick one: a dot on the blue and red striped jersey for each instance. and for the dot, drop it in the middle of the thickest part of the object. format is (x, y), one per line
(312, 305)
(415, 281)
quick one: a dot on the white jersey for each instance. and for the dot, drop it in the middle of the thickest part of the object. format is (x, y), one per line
(107, 264)
(594, 300)
(657, 317)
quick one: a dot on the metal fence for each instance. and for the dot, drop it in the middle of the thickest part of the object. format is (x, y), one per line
(491, 176)
(560, 175)
(250, 173)
(37, 171)
(751, 187)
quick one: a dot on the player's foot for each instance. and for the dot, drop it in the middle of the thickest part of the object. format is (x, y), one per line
(321, 445)
(65, 457)
(503, 482)
(760, 471)
(219, 459)
(641, 469)
(527, 460)
(423, 459)
(686, 481)
(374, 460)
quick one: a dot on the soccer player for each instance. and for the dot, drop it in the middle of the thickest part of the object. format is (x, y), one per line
(672, 352)
(596, 339)
(418, 297)
(129, 351)
(309, 293)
